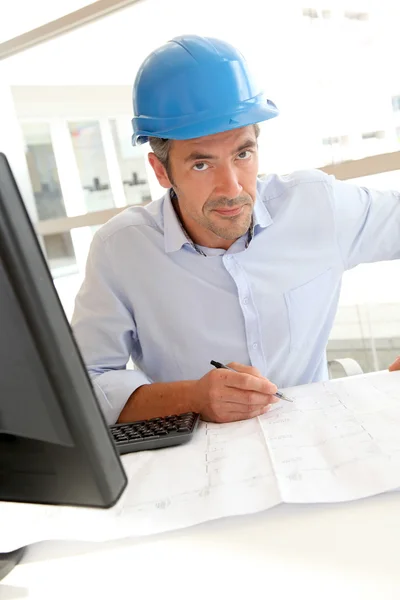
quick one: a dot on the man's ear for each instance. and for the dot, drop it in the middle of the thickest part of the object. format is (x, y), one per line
(160, 171)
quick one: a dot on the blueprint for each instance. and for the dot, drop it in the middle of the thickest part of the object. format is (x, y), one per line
(337, 441)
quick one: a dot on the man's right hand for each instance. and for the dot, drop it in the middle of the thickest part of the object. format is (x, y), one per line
(224, 396)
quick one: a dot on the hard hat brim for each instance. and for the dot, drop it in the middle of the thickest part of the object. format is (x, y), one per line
(248, 114)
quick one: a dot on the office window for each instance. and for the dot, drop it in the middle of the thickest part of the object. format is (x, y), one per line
(132, 163)
(47, 192)
(373, 135)
(90, 158)
(396, 103)
(311, 13)
(43, 171)
(356, 16)
(60, 253)
(335, 149)
(314, 13)
(330, 141)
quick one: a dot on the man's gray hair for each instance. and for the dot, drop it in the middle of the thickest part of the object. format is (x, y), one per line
(161, 147)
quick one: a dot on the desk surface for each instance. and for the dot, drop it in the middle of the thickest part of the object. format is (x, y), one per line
(345, 551)
(325, 552)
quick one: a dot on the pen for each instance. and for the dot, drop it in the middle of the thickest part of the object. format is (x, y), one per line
(219, 365)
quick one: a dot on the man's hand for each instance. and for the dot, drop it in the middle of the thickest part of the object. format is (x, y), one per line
(396, 365)
(224, 396)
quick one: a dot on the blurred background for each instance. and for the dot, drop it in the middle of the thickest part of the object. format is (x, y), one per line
(331, 66)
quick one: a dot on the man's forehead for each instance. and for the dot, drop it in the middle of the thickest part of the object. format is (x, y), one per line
(233, 136)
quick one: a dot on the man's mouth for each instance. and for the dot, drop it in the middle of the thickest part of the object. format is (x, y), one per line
(229, 212)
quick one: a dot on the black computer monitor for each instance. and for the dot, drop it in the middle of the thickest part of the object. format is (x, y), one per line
(55, 447)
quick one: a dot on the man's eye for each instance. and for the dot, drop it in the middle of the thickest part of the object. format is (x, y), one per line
(245, 154)
(200, 167)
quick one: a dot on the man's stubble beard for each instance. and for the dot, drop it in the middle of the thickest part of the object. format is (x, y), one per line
(235, 226)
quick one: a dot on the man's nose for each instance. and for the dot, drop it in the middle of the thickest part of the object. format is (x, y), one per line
(228, 184)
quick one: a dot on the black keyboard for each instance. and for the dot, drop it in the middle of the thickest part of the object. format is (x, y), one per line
(154, 433)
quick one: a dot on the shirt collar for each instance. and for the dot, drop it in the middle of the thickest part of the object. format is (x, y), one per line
(261, 216)
(175, 236)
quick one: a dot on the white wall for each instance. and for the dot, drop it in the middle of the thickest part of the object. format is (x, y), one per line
(71, 101)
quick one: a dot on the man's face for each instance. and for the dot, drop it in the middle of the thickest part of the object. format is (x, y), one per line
(214, 178)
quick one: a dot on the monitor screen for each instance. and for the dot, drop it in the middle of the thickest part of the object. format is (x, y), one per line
(55, 447)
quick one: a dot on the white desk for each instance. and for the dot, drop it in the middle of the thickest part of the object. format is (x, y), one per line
(342, 551)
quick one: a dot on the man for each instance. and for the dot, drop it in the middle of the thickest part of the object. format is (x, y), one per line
(396, 365)
(225, 267)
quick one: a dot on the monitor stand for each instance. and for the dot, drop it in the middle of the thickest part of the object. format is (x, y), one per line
(8, 561)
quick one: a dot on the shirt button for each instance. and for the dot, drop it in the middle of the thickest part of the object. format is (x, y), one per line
(255, 345)
(245, 300)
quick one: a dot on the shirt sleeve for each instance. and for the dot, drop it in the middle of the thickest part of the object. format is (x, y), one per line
(367, 223)
(105, 332)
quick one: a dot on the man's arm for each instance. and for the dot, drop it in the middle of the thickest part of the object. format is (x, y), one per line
(220, 396)
(396, 365)
(367, 222)
(105, 331)
(159, 400)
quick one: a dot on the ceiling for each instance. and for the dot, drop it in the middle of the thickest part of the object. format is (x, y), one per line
(26, 23)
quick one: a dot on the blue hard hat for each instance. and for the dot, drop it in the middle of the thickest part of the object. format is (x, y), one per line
(195, 86)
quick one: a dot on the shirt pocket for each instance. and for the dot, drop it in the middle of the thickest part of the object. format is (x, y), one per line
(309, 310)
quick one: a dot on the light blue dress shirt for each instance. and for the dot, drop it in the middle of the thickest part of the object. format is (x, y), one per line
(149, 294)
